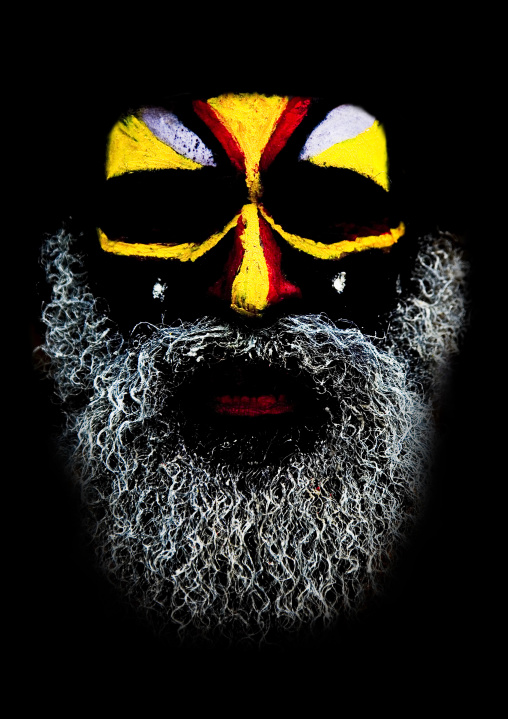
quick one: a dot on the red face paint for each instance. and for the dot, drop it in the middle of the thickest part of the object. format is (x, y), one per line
(290, 119)
(204, 111)
(279, 287)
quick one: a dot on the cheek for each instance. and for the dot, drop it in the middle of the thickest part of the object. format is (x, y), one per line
(362, 288)
(155, 291)
(162, 290)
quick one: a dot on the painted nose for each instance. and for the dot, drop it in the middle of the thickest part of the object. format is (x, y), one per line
(252, 280)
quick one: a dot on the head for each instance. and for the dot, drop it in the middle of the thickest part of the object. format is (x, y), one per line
(249, 340)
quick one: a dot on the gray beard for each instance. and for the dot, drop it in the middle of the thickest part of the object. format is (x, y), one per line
(218, 534)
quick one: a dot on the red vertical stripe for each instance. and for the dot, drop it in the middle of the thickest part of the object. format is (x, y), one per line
(279, 287)
(222, 288)
(228, 142)
(295, 111)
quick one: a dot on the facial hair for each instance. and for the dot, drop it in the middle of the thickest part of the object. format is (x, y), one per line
(215, 532)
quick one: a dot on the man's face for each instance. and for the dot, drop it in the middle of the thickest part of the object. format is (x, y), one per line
(250, 207)
(243, 411)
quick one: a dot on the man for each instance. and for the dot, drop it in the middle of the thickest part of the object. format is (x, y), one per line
(249, 337)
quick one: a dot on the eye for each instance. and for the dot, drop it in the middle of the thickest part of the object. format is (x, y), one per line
(168, 128)
(352, 139)
(148, 210)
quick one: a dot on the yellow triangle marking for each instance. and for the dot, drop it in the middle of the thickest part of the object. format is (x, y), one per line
(251, 119)
(133, 147)
(366, 154)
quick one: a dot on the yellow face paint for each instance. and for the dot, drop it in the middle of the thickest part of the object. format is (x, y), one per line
(251, 119)
(184, 252)
(336, 250)
(133, 148)
(366, 154)
(250, 288)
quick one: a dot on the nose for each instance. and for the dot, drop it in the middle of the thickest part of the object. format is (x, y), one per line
(252, 280)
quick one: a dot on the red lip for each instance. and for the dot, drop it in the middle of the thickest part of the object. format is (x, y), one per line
(256, 406)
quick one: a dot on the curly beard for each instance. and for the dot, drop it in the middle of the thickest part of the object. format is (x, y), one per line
(234, 535)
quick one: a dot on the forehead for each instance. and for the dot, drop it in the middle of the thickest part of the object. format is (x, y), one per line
(248, 109)
(241, 102)
(252, 128)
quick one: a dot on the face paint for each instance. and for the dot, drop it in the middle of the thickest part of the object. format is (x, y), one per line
(340, 282)
(184, 251)
(337, 249)
(253, 277)
(250, 120)
(158, 291)
(352, 139)
(155, 144)
(252, 130)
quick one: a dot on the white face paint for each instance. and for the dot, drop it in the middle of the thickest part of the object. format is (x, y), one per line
(340, 282)
(169, 130)
(159, 290)
(342, 123)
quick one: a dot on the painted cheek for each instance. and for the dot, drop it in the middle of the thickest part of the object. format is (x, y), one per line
(252, 279)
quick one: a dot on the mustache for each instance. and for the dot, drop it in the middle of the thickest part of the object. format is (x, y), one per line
(354, 386)
(306, 355)
(305, 347)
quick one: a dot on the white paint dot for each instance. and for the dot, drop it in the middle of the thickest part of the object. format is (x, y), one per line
(159, 290)
(340, 282)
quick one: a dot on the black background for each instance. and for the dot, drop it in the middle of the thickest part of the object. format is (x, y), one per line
(438, 630)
